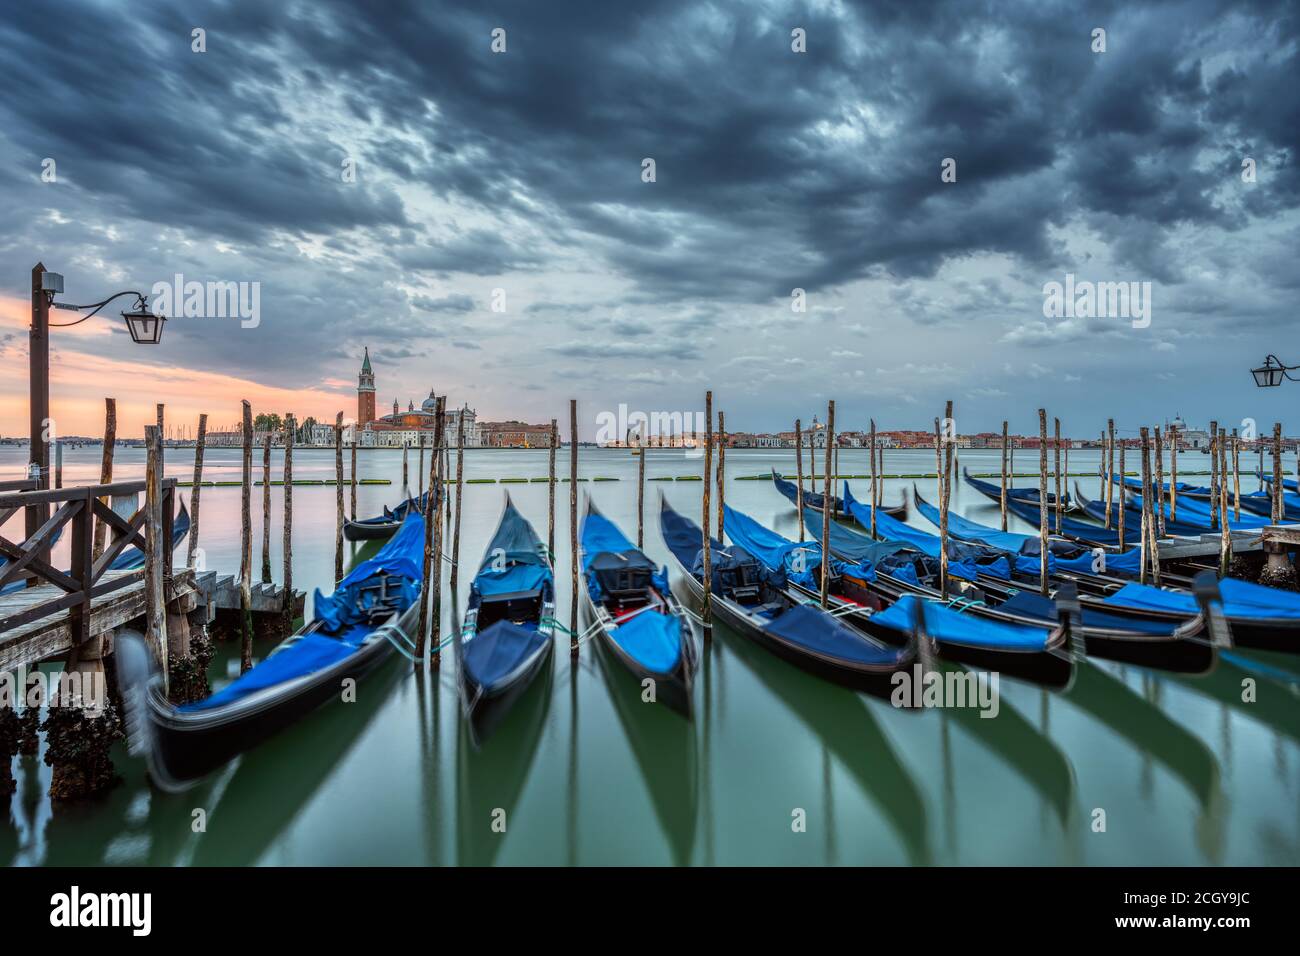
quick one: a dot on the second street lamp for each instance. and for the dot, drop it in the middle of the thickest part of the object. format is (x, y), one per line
(1271, 373)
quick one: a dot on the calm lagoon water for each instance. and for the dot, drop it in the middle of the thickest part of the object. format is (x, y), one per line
(586, 774)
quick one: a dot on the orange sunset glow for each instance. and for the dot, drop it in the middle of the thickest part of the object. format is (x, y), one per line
(80, 381)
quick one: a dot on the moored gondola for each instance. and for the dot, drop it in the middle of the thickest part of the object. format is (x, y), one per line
(351, 632)
(986, 588)
(384, 525)
(627, 601)
(755, 602)
(506, 637)
(813, 500)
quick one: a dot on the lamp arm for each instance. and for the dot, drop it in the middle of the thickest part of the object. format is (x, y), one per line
(96, 306)
(1286, 369)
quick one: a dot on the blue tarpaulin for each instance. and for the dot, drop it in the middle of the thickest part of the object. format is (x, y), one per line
(514, 561)
(341, 633)
(495, 653)
(1241, 599)
(811, 628)
(800, 560)
(944, 624)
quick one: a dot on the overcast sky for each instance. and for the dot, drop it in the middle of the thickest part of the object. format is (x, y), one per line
(774, 170)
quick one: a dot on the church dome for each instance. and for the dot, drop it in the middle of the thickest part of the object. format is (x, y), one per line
(430, 404)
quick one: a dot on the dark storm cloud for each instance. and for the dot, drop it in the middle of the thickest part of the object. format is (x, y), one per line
(774, 170)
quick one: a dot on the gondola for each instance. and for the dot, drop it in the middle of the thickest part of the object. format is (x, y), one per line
(506, 637)
(1193, 520)
(1023, 495)
(756, 603)
(1195, 516)
(981, 581)
(627, 600)
(384, 525)
(813, 500)
(1083, 531)
(1036, 650)
(351, 632)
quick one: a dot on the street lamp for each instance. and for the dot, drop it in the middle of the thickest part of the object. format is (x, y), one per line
(1271, 373)
(145, 327)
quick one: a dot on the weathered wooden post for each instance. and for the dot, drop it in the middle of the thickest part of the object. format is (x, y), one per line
(1173, 472)
(406, 476)
(706, 541)
(427, 508)
(106, 475)
(1214, 475)
(338, 497)
(640, 490)
(938, 463)
(1160, 483)
(352, 477)
(1225, 539)
(162, 442)
(945, 494)
(550, 489)
(437, 488)
(246, 547)
(1110, 478)
(266, 508)
(1259, 446)
(573, 526)
(875, 492)
(722, 474)
(455, 533)
(288, 525)
(1236, 476)
(195, 488)
(1042, 501)
(1122, 509)
(419, 471)
(828, 501)
(155, 599)
(798, 474)
(1278, 511)
(1056, 469)
(1144, 470)
(1003, 498)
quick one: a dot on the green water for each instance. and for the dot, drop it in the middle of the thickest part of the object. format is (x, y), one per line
(586, 774)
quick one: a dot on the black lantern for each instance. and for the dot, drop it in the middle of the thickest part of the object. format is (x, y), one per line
(1270, 374)
(145, 327)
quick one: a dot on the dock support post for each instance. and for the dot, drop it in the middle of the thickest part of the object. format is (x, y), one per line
(106, 470)
(1278, 510)
(246, 548)
(195, 488)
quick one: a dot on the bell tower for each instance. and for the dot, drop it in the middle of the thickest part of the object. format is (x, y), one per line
(366, 392)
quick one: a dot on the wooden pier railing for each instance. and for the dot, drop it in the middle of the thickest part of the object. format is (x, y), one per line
(76, 510)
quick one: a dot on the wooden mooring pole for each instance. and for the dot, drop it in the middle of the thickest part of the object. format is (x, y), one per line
(246, 547)
(1278, 510)
(1236, 476)
(195, 488)
(155, 599)
(1056, 470)
(706, 542)
(828, 501)
(1173, 472)
(573, 526)
(640, 490)
(1160, 483)
(455, 531)
(1122, 509)
(437, 488)
(406, 476)
(1225, 538)
(1003, 498)
(338, 497)
(875, 494)
(1214, 476)
(550, 495)
(266, 508)
(106, 475)
(287, 622)
(427, 507)
(1110, 478)
(352, 478)
(945, 493)
(798, 473)
(1042, 501)
(722, 474)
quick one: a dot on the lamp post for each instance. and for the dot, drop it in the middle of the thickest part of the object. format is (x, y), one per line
(144, 326)
(1271, 373)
